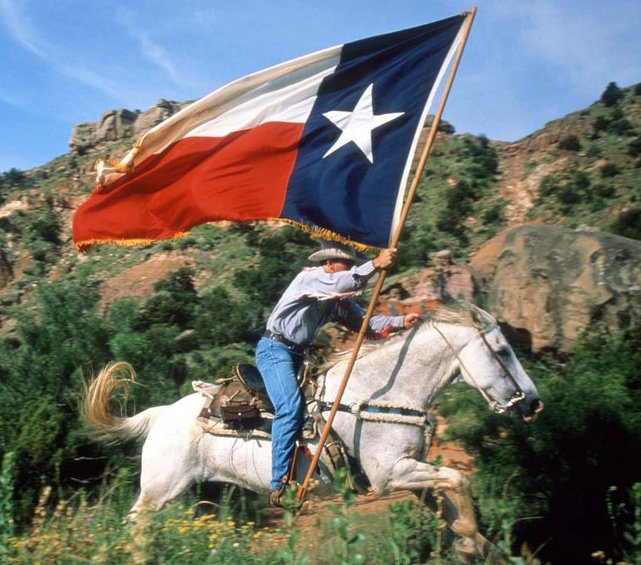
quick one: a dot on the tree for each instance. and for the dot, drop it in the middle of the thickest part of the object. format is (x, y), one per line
(41, 369)
(13, 177)
(611, 95)
(173, 301)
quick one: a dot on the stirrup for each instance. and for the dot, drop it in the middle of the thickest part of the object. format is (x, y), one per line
(275, 497)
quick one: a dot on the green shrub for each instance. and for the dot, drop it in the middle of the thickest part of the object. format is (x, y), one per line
(570, 143)
(609, 170)
(281, 255)
(13, 178)
(611, 95)
(40, 367)
(6, 504)
(494, 214)
(634, 147)
(604, 190)
(622, 126)
(173, 302)
(632, 527)
(223, 320)
(562, 466)
(47, 227)
(416, 246)
(594, 152)
(600, 124)
(628, 224)
(548, 186)
(415, 534)
(575, 190)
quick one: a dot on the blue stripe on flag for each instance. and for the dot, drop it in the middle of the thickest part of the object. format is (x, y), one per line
(343, 191)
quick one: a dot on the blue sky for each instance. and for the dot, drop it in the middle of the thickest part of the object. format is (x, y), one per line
(68, 61)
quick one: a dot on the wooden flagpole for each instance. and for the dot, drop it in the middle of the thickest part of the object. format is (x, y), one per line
(302, 489)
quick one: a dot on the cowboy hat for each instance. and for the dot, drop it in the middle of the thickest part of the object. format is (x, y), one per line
(335, 250)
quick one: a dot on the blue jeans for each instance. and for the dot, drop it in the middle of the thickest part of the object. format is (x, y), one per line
(278, 365)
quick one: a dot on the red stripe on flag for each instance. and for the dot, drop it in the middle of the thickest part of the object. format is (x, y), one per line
(242, 176)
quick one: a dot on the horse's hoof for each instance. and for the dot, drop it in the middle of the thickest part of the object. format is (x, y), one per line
(276, 496)
(465, 551)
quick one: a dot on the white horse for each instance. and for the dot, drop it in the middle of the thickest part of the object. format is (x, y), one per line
(383, 424)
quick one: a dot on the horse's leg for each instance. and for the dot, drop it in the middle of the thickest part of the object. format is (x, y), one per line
(158, 489)
(446, 505)
(168, 468)
(455, 502)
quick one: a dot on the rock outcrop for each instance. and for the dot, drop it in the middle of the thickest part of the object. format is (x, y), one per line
(443, 282)
(119, 124)
(548, 283)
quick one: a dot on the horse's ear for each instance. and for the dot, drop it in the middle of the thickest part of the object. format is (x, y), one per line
(477, 317)
(481, 318)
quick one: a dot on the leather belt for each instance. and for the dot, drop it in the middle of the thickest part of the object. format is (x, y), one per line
(298, 348)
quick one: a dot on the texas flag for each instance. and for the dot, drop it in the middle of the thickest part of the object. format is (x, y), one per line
(324, 141)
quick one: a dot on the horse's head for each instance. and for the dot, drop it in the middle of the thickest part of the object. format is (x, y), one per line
(486, 362)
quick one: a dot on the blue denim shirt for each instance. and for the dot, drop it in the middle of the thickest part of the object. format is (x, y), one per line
(316, 297)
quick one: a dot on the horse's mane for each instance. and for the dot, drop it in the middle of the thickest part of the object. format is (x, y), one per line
(457, 312)
(462, 313)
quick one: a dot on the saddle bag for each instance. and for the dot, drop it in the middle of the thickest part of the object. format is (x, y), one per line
(236, 406)
(239, 415)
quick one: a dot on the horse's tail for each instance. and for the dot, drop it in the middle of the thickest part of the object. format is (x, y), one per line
(96, 412)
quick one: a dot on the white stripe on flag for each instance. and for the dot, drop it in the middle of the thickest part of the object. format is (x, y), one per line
(289, 103)
(238, 98)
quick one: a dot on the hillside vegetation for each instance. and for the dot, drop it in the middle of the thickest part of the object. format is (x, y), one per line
(191, 308)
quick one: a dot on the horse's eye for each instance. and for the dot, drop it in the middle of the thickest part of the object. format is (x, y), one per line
(503, 352)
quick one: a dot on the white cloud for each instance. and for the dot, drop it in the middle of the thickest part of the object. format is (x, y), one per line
(23, 32)
(590, 42)
(158, 55)
(20, 28)
(150, 49)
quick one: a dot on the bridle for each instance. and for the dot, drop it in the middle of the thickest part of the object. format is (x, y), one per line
(497, 406)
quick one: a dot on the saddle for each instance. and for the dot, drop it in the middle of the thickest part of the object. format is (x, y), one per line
(239, 406)
(240, 402)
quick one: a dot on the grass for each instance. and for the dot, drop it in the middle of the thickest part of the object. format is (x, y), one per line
(75, 531)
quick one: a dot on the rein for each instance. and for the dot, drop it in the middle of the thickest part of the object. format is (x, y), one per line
(496, 406)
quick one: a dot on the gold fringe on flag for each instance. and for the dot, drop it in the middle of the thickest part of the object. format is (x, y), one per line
(88, 244)
(313, 231)
(323, 233)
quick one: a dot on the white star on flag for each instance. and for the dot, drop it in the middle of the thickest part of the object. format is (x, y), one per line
(357, 125)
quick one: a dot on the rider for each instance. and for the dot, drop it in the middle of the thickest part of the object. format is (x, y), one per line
(316, 296)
